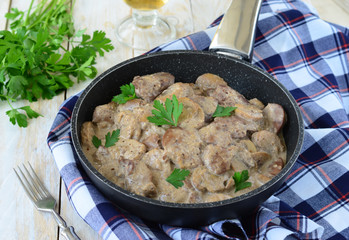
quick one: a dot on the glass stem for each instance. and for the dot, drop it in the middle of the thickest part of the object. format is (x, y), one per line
(145, 19)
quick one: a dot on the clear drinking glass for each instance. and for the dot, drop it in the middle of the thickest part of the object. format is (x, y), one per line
(145, 30)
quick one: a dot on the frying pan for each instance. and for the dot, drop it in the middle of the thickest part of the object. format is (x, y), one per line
(231, 50)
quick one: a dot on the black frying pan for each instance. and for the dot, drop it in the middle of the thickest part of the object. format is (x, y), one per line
(186, 66)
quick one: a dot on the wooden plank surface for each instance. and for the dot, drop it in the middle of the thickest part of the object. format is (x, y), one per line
(336, 11)
(4, 7)
(19, 219)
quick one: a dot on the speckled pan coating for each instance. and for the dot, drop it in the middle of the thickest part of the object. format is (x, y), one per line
(186, 66)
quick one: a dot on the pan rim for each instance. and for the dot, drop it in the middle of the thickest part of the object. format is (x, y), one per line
(83, 160)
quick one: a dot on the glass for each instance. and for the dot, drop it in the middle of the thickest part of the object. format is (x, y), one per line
(145, 30)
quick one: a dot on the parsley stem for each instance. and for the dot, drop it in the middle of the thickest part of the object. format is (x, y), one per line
(8, 101)
(53, 13)
(43, 13)
(28, 13)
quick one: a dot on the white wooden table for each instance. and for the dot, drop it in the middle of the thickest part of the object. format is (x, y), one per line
(18, 217)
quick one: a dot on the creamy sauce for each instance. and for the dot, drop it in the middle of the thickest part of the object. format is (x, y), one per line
(213, 149)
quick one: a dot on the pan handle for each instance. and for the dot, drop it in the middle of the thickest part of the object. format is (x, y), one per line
(236, 32)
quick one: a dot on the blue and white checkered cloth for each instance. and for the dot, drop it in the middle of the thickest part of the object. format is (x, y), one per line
(311, 58)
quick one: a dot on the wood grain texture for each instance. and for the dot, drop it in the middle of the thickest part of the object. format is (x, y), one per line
(19, 219)
(335, 11)
(4, 7)
(102, 16)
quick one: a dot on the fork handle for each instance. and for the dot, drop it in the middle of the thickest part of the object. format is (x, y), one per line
(67, 232)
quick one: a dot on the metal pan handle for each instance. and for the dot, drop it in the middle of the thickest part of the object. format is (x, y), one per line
(236, 32)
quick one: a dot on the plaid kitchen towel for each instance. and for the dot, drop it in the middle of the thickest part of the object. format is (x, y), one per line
(311, 58)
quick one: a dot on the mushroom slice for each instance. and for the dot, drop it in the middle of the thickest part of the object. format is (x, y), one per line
(256, 102)
(192, 115)
(208, 105)
(260, 157)
(152, 141)
(196, 89)
(248, 144)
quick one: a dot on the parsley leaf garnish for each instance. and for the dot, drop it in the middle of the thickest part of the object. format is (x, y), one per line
(223, 111)
(96, 141)
(168, 114)
(127, 93)
(110, 139)
(177, 177)
(240, 180)
(34, 60)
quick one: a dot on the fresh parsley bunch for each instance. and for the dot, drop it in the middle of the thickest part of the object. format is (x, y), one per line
(34, 62)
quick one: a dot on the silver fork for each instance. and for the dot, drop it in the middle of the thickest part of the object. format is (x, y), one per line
(41, 198)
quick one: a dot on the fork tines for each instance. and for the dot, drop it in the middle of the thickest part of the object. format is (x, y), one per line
(30, 182)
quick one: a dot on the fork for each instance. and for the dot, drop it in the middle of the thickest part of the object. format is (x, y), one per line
(41, 198)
